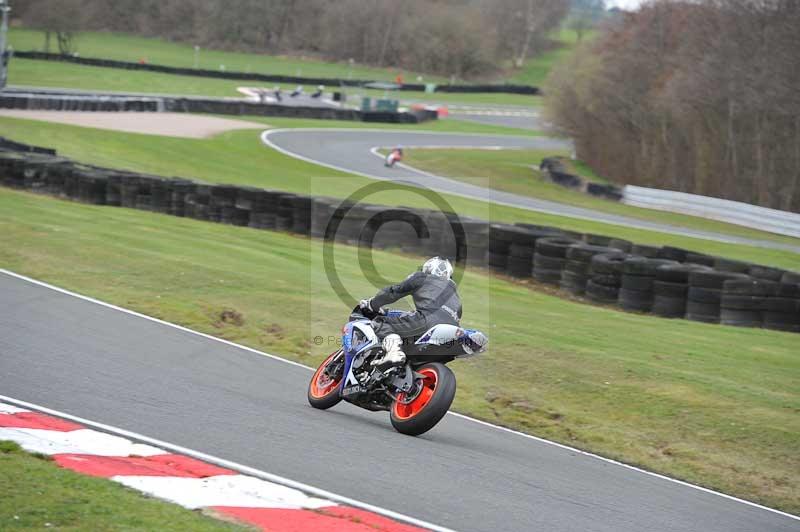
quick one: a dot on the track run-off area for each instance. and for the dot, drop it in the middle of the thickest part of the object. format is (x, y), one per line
(86, 358)
(355, 151)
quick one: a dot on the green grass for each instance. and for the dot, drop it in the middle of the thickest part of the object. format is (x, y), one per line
(36, 73)
(239, 157)
(445, 125)
(124, 47)
(511, 171)
(37, 495)
(535, 70)
(709, 404)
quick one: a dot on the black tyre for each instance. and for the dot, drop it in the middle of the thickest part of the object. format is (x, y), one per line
(554, 246)
(735, 266)
(421, 411)
(597, 240)
(663, 288)
(635, 300)
(585, 252)
(645, 251)
(740, 318)
(699, 258)
(669, 307)
(548, 263)
(677, 273)
(644, 266)
(709, 296)
(742, 302)
(519, 267)
(323, 389)
(766, 273)
(600, 293)
(614, 281)
(712, 278)
(608, 263)
(785, 305)
(637, 282)
(705, 312)
(671, 253)
(622, 245)
(750, 287)
(576, 267)
(790, 278)
(547, 276)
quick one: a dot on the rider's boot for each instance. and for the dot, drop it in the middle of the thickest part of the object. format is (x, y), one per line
(394, 356)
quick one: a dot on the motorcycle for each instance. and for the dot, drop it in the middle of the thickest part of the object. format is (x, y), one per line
(417, 394)
(393, 157)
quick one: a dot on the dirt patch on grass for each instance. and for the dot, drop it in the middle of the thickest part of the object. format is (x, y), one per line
(167, 124)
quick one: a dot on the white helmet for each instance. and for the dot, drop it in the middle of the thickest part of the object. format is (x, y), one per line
(438, 267)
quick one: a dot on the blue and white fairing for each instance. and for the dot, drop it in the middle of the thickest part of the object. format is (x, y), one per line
(357, 337)
(470, 341)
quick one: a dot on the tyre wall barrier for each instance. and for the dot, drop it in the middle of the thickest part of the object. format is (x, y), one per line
(555, 171)
(69, 102)
(666, 281)
(273, 78)
(89, 102)
(735, 212)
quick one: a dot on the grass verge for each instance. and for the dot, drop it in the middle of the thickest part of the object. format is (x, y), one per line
(38, 73)
(239, 157)
(710, 404)
(123, 47)
(41, 495)
(513, 171)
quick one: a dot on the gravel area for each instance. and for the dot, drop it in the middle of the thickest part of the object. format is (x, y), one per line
(167, 124)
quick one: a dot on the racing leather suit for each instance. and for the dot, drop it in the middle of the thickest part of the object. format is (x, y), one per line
(435, 299)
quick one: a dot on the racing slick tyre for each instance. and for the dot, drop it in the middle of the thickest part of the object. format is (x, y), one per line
(323, 390)
(419, 412)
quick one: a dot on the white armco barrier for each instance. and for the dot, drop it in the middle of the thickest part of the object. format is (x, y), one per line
(735, 212)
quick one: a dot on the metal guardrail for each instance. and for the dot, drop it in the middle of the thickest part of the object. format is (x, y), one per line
(735, 212)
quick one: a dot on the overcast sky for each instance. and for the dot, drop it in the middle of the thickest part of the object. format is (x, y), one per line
(625, 4)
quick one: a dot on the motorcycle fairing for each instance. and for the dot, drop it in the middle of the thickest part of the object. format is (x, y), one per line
(357, 338)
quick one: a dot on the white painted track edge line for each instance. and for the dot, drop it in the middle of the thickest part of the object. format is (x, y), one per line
(676, 230)
(221, 462)
(456, 414)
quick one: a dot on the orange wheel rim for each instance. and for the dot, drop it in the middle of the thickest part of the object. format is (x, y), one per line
(321, 383)
(407, 410)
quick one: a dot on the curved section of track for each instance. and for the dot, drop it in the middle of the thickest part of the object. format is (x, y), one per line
(349, 150)
(117, 368)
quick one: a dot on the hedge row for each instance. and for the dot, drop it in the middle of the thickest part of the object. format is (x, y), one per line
(63, 102)
(666, 281)
(220, 74)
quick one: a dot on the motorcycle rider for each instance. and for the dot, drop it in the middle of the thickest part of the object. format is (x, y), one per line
(394, 156)
(435, 299)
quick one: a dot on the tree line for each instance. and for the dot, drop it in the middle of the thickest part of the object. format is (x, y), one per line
(461, 38)
(701, 96)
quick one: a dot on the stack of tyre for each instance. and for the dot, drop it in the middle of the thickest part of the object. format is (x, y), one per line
(550, 258)
(605, 277)
(181, 189)
(764, 303)
(284, 215)
(671, 289)
(704, 296)
(301, 215)
(577, 268)
(638, 282)
(521, 250)
(476, 244)
(499, 244)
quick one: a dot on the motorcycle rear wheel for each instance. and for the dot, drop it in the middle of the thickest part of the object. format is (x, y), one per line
(421, 411)
(323, 390)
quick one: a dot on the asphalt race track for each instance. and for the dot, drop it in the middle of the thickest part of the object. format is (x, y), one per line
(350, 150)
(88, 360)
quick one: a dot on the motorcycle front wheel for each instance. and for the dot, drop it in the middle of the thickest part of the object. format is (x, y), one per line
(421, 410)
(323, 390)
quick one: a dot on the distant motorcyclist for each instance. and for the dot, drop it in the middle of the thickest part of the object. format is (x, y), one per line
(435, 299)
(394, 156)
